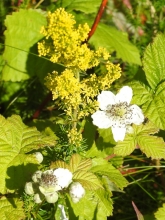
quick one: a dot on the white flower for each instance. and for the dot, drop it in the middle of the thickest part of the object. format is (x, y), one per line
(76, 191)
(63, 176)
(39, 157)
(48, 182)
(63, 215)
(117, 113)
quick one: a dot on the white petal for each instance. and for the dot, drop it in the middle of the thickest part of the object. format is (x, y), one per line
(118, 133)
(138, 116)
(124, 95)
(101, 120)
(106, 98)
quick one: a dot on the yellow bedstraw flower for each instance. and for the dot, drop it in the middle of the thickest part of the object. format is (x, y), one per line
(64, 42)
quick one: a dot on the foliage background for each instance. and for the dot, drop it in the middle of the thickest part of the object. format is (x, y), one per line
(125, 30)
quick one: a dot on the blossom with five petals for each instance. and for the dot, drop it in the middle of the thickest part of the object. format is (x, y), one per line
(117, 113)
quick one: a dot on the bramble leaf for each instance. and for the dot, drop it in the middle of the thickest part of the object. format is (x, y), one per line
(94, 205)
(160, 214)
(142, 138)
(77, 163)
(125, 147)
(87, 179)
(154, 61)
(102, 167)
(16, 139)
(114, 40)
(11, 208)
(152, 103)
(85, 208)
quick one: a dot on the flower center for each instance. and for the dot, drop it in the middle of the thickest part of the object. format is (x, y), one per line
(48, 180)
(117, 110)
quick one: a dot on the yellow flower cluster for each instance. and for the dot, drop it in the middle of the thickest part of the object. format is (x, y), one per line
(80, 95)
(64, 43)
(75, 137)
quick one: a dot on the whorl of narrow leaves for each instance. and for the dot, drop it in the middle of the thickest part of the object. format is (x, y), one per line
(11, 208)
(160, 214)
(16, 139)
(154, 61)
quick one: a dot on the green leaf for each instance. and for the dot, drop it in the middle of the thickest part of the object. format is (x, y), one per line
(105, 204)
(152, 146)
(94, 205)
(23, 31)
(59, 164)
(154, 61)
(125, 147)
(160, 214)
(102, 167)
(87, 179)
(85, 208)
(142, 138)
(16, 139)
(11, 208)
(114, 40)
(77, 163)
(153, 104)
(86, 6)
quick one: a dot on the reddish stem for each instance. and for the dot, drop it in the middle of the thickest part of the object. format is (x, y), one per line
(43, 104)
(19, 3)
(97, 19)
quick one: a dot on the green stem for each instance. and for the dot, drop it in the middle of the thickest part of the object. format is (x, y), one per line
(74, 125)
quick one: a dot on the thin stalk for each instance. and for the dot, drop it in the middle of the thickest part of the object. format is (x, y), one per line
(38, 4)
(74, 124)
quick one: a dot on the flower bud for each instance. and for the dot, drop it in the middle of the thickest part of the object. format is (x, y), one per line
(29, 188)
(39, 157)
(38, 198)
(76, 191)
(51, 197)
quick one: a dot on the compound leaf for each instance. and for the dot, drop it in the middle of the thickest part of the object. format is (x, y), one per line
(11, 208)
(159, 215)
(16, 139)
(154, 61)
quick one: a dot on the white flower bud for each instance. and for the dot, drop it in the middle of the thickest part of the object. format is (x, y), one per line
(37, 176)
(51, 197)
(29, 188)
(63, 176)
(38, 198)
(76, 191)
(39, 157)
